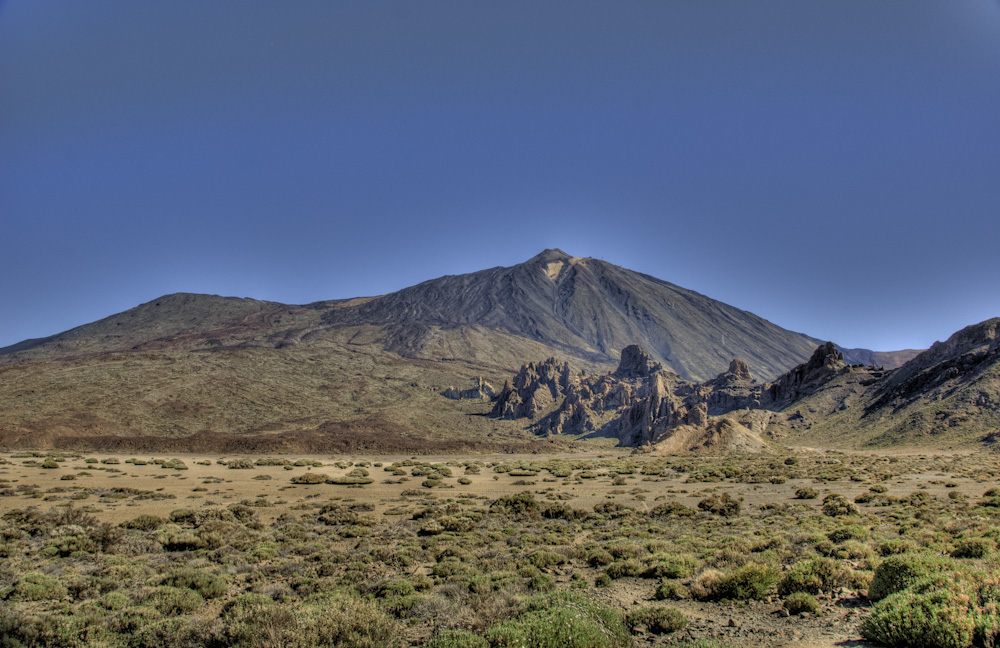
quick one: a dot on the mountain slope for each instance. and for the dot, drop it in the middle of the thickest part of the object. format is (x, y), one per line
(947, 396)
(589, 309)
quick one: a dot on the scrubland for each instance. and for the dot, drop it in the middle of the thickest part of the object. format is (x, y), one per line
(810, 549)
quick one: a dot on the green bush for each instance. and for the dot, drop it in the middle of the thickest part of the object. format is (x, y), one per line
(35, 586)
(936, 619)
(457, 639)
(19, 628)
(168, 600)
(545, 558)
(343, 621)
(671, 590)
(207, 584)
(522, 504)
(144, 522)
(973, 548)
(657, 620)
(169, 633)
(800, 602)
(623, 569)
(836, 505)
(671, 509)
(848, 532)
(600, 558)
(898, 572)
(722, 504)
(812, 576)
(896, 546)
(671, 566)
(806, 493)
(750, 582)
(249, 617)
(561, 621)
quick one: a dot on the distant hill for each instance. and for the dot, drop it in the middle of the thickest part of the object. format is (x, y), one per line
(204, 367)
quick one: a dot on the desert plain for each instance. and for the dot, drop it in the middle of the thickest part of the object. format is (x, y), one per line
(374, 550)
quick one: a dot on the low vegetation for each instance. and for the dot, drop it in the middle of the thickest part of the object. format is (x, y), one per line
(615, 551)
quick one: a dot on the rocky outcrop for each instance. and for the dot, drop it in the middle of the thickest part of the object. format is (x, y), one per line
(536, 387)
(640, 403)
(643, 404)
(738, 371)
(826, 363)
(734, 389)
(719, 436)
(635, 363)
(482, 390)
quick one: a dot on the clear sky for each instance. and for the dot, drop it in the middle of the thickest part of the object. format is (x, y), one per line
(832, 166)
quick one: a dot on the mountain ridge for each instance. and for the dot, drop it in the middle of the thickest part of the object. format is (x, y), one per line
(586, 308)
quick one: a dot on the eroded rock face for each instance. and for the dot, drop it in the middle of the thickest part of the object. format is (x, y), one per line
(481, 390)
(638, 403)
(935, 371)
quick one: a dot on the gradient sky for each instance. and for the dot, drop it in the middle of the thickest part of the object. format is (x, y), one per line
(832, 166)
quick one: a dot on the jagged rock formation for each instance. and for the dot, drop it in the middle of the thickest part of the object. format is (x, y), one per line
(953, 388)
(644, 405)
(826, 362)
(535, 388)
(734, 389)
(635, 363)
(640, 403)
(482, 390)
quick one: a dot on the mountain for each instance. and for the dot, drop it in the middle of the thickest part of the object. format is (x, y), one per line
(186, 371)
(582, 308)
(585, 308)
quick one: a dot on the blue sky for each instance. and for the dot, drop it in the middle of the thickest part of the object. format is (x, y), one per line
(833, 166)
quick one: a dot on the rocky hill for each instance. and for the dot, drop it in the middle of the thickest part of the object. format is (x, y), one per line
(948, 396)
